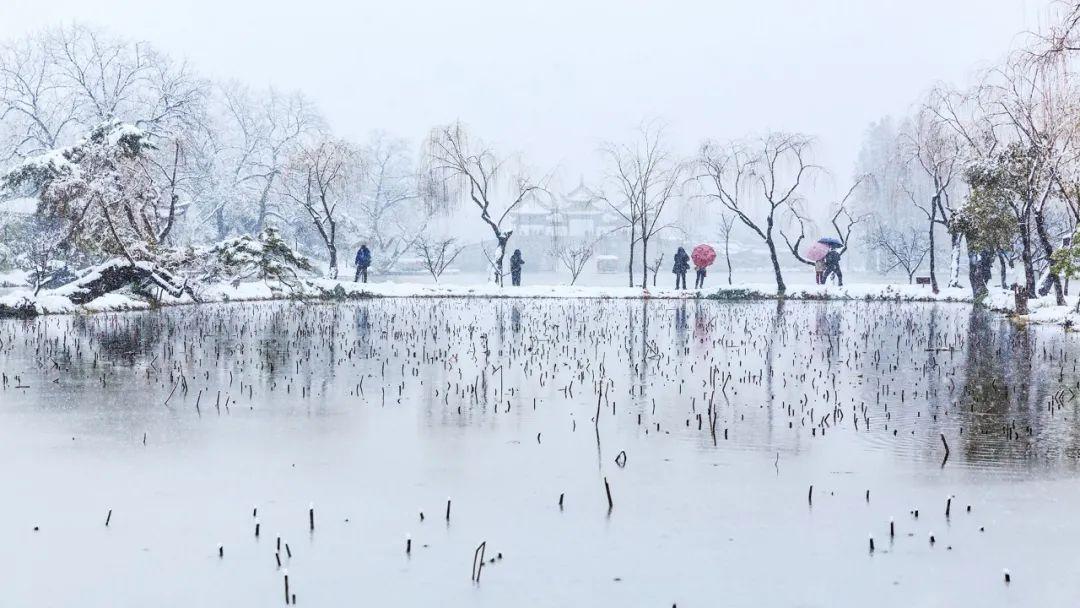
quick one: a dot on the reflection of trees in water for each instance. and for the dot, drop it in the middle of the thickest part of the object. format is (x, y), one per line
(128, 338)
(999, 401)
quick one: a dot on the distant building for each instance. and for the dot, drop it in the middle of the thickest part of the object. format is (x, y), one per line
(545, 222)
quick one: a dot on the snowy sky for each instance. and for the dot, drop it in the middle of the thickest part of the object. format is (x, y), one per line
(552, 79)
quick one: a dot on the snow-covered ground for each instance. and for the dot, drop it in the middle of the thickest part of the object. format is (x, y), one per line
(56, 301)
(14, 278)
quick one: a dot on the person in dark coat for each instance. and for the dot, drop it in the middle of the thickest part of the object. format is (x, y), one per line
(832, 266)
(682, 265)
(516, 262)
(699, 280)
(363, 260)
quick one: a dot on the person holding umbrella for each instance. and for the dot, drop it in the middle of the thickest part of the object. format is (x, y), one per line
(703, 256)
(816, 254)
(682, 265)
(832, 261)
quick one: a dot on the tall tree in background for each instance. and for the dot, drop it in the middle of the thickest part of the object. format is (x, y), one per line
(459, 164)
(759, 181)
(648, 177)
(392, 211)
(935, 152)
(318, 183)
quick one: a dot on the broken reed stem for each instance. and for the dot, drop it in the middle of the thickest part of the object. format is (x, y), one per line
(478, 561)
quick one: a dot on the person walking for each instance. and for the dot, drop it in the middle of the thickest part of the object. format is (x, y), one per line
(819, 271)
(363, 261)
(832, 266)
(699, 280)
(516, 262)
(682, 265)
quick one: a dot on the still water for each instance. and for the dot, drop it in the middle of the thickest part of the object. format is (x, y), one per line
(710, 422)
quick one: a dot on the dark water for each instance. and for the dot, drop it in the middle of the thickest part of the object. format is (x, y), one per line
(185, 420)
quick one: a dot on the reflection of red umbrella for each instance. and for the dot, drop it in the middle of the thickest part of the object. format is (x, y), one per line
(703, 255)
(817, 251)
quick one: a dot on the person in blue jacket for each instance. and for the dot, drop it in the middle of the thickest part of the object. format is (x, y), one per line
(363, 260)
(682, 265)
(516, 262)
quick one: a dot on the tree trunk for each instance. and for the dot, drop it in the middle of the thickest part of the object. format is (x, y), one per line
(1001, 260)
(332, 250)
(1052, 278)
(630, 265)
(503, 240)
(781, 289)
(955, 238)
(644, 262)
(1026, 256)
(219, 221)
(980, 266)
(114, 275)
(933, 217)
(727, 258)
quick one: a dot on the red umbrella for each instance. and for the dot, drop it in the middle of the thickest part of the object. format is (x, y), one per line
(817, 251)
(703, 255)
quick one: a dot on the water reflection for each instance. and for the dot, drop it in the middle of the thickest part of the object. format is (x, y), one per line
(776, 376)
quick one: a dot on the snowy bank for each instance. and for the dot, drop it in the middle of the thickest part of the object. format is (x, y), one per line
(14, 278)
(73, 298)
(60, 301)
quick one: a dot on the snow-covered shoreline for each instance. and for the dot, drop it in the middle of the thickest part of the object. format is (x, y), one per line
(56, 302)
(21, 302)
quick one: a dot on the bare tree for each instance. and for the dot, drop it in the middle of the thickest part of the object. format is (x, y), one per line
(647, 178)
(903, 248)
(574, 257)
(727, 225)
(391, 211)
(931, 146)
(843, 222)
(757, 181)
(272, 134)
(436, 254)
(317, 183)
(454, 160)
(654, 268)
(35, 109)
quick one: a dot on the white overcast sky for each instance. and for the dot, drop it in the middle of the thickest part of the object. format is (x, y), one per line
(552, 79)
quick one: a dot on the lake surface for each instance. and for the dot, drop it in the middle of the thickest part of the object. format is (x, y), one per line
(183, 422)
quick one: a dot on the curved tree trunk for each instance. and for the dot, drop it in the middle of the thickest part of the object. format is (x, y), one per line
(1052, 278)
(118, 274)
(781, 289)
(503, 239)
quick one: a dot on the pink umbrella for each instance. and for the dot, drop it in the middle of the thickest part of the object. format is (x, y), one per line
(817, 252)
(703, 255)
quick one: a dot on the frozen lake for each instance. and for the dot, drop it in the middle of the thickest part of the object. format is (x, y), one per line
(182, 422)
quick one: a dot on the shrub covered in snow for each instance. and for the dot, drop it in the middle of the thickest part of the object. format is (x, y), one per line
(267, 257)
